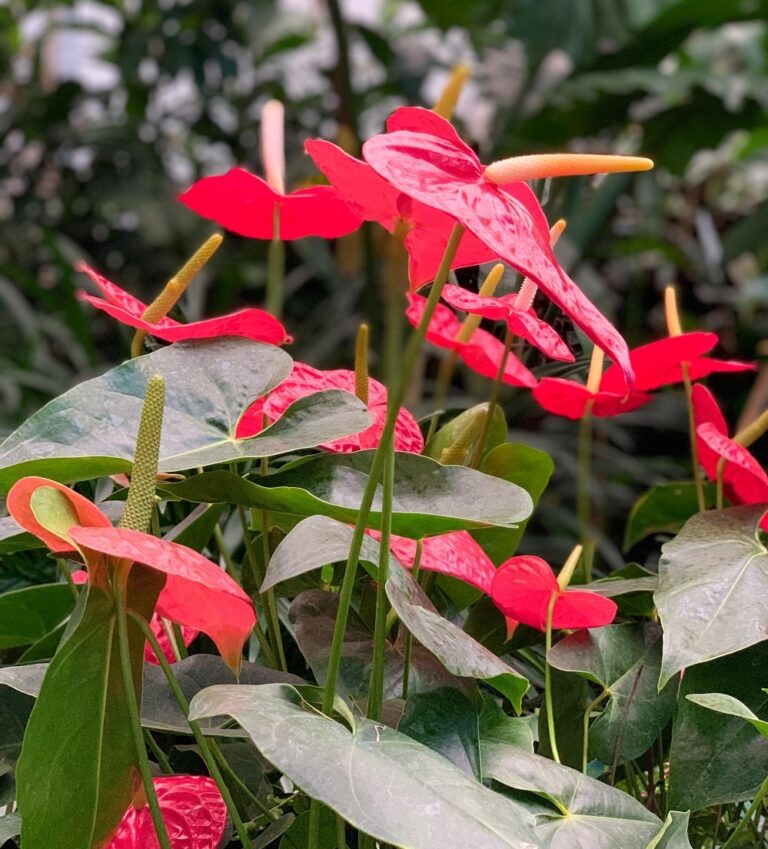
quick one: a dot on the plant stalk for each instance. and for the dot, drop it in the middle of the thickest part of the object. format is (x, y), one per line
(548, 702)
(747, 818)
(275, 270)
(498, 382)
(584, 492)
(408, 635)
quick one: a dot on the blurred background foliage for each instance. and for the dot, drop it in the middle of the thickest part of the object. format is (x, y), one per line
(109, 109)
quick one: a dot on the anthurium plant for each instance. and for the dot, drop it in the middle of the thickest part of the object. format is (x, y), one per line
(288, 613)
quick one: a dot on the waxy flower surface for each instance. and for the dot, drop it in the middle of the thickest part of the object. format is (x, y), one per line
(423, 156)
(249, 323)
(246, 204)
(524, 586)
(193, 810)
(305, 380)
(197, 593)
(483, 352)
(424, 230)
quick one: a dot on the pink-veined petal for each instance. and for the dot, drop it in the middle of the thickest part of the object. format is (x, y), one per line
(746, 481)
(706, 410)
(193, 810)
(483, 354)
(197, 593)
(111, 291)
(527, 325)
(443, 325)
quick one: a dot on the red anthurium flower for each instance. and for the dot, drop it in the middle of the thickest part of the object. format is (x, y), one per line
(570, 399)
(523, 323)
(197, 593)
(423, 156)
(660, 363)
(425, 229)
(483, 353)
(744, 479)
(80, 576)
(193, 810)
(250, 323)
(523, 588)
(304, 380)
(245, 204)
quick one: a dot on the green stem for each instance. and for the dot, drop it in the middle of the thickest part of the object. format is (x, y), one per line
(64, 568)
(584, 493)
(197, 733)
(442, 384)
(275, 270)
(223, 553)
(270, 602)
(548, 705)
(587, 713)
(395, 400)
(747, 818)
(376, 689)
(408, 635)
(498, 382)
(719, 484)
(697, 479)
(135, 717)
(160, 756)
(341, 833)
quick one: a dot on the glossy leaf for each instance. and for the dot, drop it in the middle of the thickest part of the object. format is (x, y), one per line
(713, 580)
(723, 703)
(90, 430)
(82, 706)
(497, 728)
(431, 499)
(713, 758)
(28, 614)
(523, 466)
(574, 810)
(625, 661)
(447, 435)
(428, 803)
(14, 713)
(665, 508)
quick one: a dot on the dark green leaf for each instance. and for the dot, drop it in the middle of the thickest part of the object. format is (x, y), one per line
(575, 810)
(723, 703)
(90, 431)
(665, 508)
(446, 721)
(526, 467)
(715, 759)
(713, 581)
(570, 698)
(27, 615)
(497, 728)
(673, 834)
(624, 660)
(14, 713)
(431, 499)
(380, 781)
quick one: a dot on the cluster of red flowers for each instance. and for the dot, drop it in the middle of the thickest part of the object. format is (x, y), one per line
(417, 181)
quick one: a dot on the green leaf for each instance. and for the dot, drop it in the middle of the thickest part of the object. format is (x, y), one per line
(447, 435)
(78, 753)
(723, 703)
(717, 759)
(445, 721)
(13, 538)
(29, 614)
(523, 466)
(90, 431)
(569, 699)
(379, 780)
(665, 508)
(431, 499)
(14, 713)
(574, 810)
(496, 728)
(458, 652)
(713, 581)
(312, 616)
(673, 834)
(625, 661)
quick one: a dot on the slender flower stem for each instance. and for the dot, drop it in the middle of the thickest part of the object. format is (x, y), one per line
(747, 818)
(410, 355)
(341, 832)
(275, 270)
(409, 636)
(376, 688)
(498, 382)
(442, 384)
(587, 713)
(160, 756)
(202, 743)
(584, 491)
(132, 705)
(548, 705)
(697, 477)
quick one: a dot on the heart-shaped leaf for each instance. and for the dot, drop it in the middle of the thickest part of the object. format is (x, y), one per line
(713, 581)
(723, 703)
(382, 782)
(28, 614)
(575, 810)
(90, 430)
(429, 498)
(665, 508)
(625, 661)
